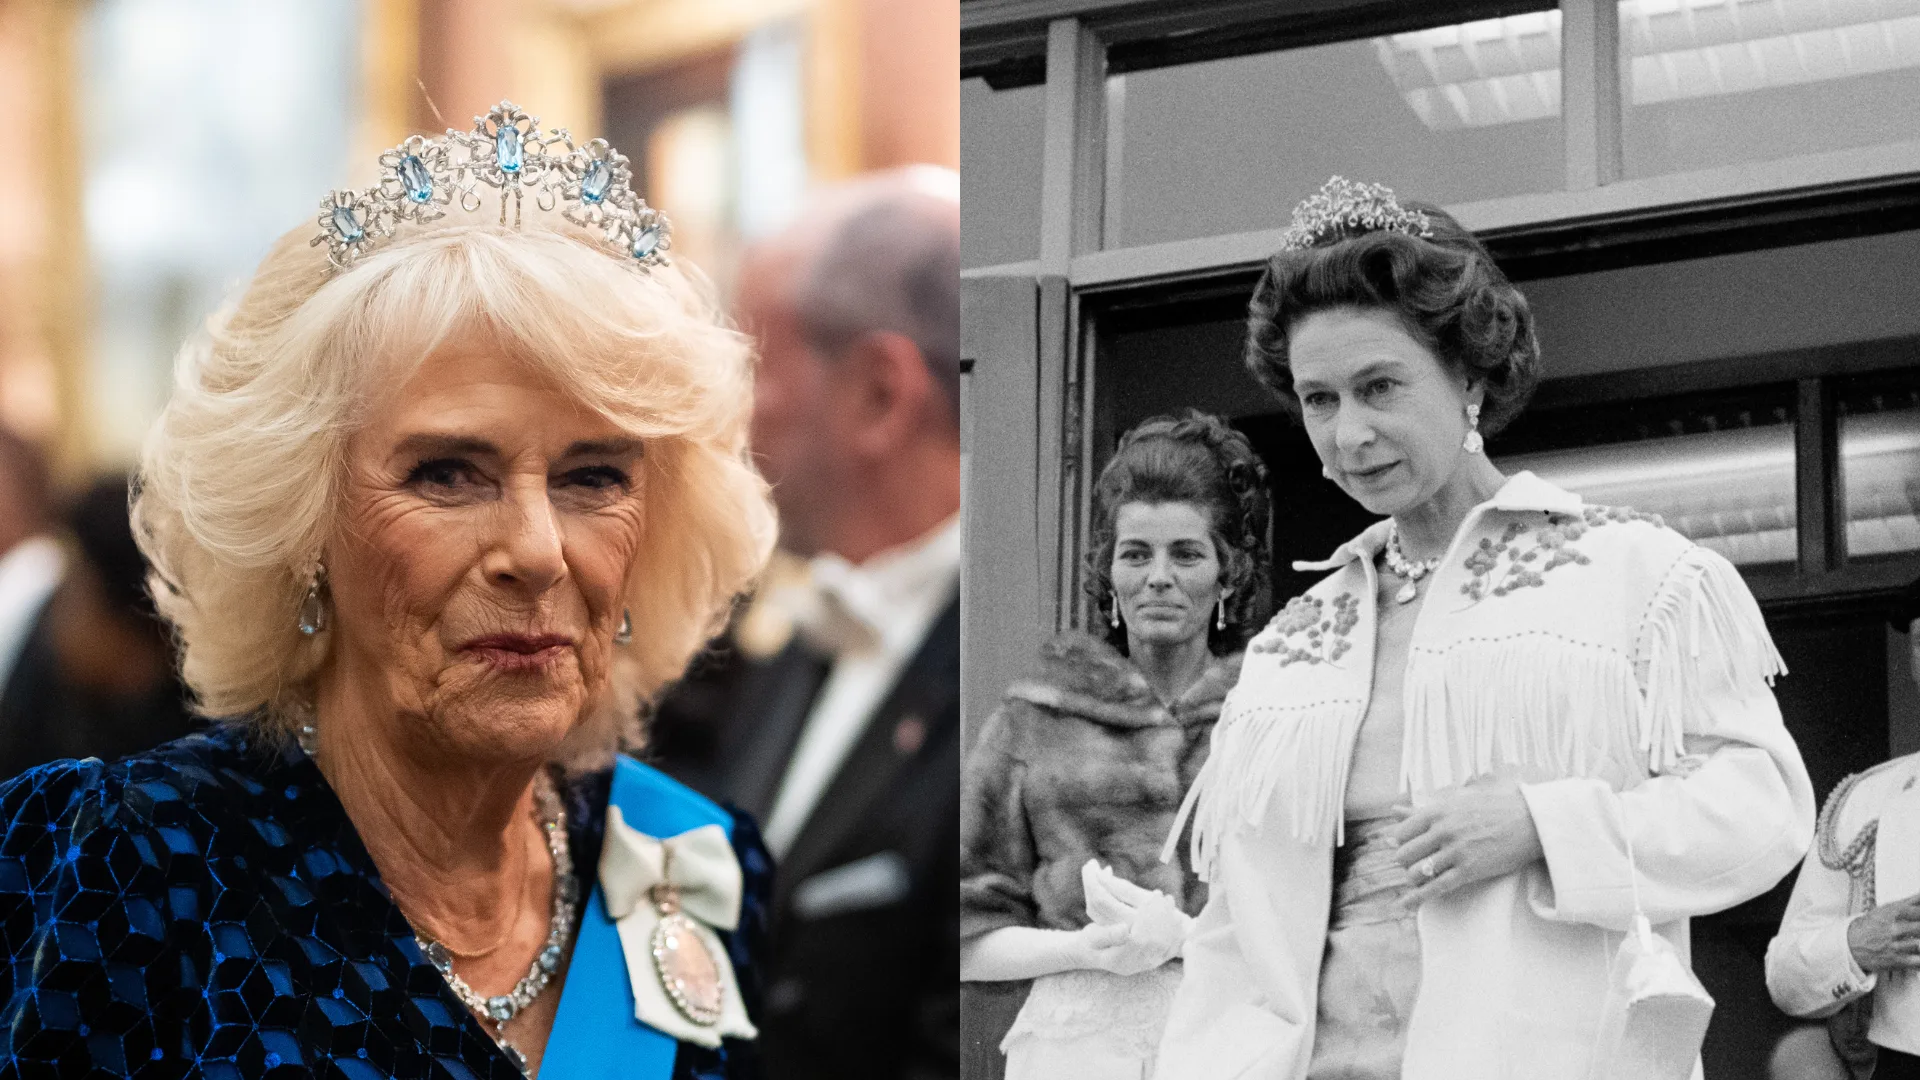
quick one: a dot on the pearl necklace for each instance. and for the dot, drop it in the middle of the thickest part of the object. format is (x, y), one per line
(1402, 566)
(562, 918)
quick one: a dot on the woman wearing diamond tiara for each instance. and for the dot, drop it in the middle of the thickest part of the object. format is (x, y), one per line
(437, 503)
(1426, 790)
(1076, 777)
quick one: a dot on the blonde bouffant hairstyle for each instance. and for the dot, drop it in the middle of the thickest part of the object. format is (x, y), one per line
(240, 477)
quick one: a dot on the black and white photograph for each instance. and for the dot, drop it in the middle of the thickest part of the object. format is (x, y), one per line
(1442, 499)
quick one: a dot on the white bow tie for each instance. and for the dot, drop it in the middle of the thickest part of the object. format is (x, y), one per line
(840, 609)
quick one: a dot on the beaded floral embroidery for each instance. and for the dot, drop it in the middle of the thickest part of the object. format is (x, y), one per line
(1304, 630)
(1522, 557)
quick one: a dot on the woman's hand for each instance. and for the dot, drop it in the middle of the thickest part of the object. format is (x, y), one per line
(1128, 949)
(1466, 835)
(1888, 937)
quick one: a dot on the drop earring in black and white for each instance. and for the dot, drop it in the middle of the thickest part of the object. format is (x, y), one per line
(1473, 443)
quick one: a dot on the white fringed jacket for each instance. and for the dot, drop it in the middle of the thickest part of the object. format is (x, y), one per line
(1618, 670)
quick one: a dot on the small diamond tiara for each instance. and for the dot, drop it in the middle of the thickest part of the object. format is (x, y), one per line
(590, 185)
(1342, 202)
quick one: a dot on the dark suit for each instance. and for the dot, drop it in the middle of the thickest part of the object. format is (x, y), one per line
(863, 980)
(44, 717)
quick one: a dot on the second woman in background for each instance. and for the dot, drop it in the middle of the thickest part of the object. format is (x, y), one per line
(1076, 779)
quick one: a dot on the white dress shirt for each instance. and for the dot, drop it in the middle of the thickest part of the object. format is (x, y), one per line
(873, 616)
(28, 574)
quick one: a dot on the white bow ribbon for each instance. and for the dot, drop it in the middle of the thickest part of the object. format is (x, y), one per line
(700, 865)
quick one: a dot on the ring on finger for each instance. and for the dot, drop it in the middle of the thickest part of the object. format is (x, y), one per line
(1428, 867)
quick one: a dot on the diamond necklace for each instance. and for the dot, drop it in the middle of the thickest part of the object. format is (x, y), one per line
(1398, 562)
(564, 914)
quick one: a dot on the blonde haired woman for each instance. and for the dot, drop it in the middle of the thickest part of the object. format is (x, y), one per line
(455, 485)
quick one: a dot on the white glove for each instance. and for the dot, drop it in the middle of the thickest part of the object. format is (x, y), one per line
(1133, 929)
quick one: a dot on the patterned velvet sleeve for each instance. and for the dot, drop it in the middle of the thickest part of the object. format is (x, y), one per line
(746, 947)
(63, 932)
(997, 857)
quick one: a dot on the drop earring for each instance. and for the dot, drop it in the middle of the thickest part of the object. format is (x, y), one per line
(623, 634)
(1113, 616)
(1220, 616)
(313, 608)
(1474, 443)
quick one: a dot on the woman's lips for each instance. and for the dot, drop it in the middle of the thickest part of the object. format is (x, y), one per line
(1374, 473)
(519, 652)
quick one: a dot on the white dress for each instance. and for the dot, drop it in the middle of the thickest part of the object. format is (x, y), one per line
(1091, 1025)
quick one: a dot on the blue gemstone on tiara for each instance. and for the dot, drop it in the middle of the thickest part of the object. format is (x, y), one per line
(413, 176)
(593, 188)
(506, 148)
(646, 242)
(348, 225)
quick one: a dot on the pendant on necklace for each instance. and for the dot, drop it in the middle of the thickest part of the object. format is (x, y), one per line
(1407, 592)
(688, 972)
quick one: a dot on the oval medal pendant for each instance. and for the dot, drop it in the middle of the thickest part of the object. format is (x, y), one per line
(1407, 592)
(687, 970)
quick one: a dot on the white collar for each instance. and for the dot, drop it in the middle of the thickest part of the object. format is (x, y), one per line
(1523, 491)
(29, 572)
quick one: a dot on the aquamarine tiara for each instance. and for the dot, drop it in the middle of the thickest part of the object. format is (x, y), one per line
(1342, 202)
(589, 185)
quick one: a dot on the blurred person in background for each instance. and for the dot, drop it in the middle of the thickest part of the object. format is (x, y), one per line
(846, 743)
(94, 672)
(30, 567)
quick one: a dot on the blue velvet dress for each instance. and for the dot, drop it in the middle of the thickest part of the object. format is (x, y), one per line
(207, 909)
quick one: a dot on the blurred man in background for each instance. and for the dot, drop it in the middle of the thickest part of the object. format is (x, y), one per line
(92, 672)
(845, 745)
(30, 566)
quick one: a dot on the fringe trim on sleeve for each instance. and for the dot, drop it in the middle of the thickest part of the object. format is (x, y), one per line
(1541, 703)
(1254, 749)
(1703, 630)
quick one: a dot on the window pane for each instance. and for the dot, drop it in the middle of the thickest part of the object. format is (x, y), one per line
(1002, 137)
(1719, 470)
(1880, 465)
(1449, 114)
(1724, 82)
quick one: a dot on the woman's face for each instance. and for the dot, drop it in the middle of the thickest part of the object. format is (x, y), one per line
(1166, 573)
(1385, 415)
(487, 526)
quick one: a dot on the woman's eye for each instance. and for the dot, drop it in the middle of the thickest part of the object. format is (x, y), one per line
(598, 477)
(441, 473)
(1317, 401)
(1378, 387)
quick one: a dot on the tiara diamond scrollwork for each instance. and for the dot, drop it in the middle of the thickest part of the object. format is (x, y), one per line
(590, 186)
(1342, 203)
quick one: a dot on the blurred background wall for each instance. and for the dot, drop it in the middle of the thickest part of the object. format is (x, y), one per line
(158, 147)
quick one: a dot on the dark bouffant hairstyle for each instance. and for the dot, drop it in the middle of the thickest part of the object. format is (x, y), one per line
(1445, 289)
(1197, 459)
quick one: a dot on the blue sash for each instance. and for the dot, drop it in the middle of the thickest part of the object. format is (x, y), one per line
(595, 1035)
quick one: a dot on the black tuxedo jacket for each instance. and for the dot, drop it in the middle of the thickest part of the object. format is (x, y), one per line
(862, 980)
